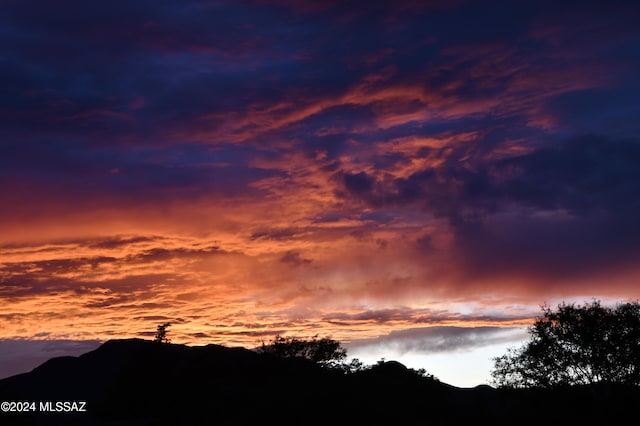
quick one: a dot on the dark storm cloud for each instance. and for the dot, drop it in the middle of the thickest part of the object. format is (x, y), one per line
(582, 175)
(598, 110)
(358, 183)
(121, 67)
(146, 73)
(70, 69)
(565, 207)
(83, 171)
(576, 205)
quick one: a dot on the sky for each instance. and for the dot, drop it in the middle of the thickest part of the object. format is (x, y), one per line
(412, 178)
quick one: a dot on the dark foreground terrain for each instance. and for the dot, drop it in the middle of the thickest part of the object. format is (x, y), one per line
(140, 382)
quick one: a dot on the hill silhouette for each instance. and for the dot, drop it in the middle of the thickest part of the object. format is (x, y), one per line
(141, 382)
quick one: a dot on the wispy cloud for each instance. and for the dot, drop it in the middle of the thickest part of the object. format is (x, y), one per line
(439, 339)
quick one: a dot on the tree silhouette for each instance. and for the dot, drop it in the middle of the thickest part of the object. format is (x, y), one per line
(161, 333)
(576, 345)
(325, 351)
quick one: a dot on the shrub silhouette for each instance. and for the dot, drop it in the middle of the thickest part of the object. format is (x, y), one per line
(325, 351)
(328, 353)
(576, 345)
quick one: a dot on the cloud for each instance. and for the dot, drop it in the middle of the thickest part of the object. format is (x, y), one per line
(561, 208)
(268, 166)
(295, 259)
(408, 315)
(120, 241)
(556, 211)
(276, 234)
(439, 339)
(61, 269)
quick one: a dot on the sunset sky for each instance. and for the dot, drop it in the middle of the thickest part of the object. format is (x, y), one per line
(412, 178)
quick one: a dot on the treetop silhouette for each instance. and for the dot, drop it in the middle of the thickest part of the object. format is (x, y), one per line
(576, 345)
(161, 333)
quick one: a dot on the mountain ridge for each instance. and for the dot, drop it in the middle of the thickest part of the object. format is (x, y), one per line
(141, 382)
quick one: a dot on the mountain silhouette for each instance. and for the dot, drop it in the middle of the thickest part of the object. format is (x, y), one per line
(141, 382)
